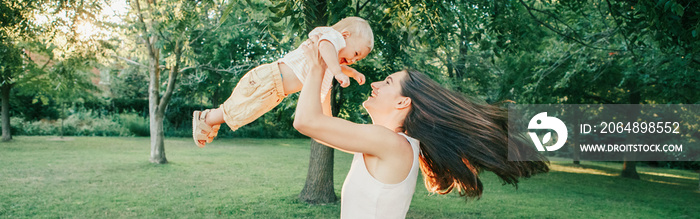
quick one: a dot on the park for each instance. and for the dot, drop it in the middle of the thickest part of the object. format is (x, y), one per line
(97, 101)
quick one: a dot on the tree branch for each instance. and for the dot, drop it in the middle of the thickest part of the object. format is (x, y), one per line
(553, 16)
(136, 63)
(188, 68)
(47, 63)
(151, 50)
(160, 32)
(361, 7)
(529, 11)
(212, 29)
(598, 98)
(130, 61)
(624, 35)
(231, 70)
(172, 79)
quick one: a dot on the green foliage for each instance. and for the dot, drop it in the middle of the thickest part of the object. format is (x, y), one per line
(81, 123)
(14, 19)
(604, 53)
(129, 83)
(137, 105)
(179, 114)
(23, 127)
(11, 59)
(32, 107)
(135, 123)
(87, 123)
(527, 51)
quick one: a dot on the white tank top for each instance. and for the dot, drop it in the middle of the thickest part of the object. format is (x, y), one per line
(363, 196)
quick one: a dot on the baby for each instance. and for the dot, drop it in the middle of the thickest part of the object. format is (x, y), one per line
(264, 87)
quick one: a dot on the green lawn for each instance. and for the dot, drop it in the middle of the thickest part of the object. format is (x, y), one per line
(98, 177)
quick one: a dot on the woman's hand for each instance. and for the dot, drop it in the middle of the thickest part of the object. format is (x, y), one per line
(312, 56)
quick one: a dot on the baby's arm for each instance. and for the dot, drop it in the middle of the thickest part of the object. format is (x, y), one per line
(330, 57)
(351, 72)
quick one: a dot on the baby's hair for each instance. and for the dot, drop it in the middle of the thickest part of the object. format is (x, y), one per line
(356, 25)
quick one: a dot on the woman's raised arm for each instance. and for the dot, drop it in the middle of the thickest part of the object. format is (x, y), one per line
(335, 132)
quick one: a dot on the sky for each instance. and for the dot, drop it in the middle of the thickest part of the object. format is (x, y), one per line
(112, 12)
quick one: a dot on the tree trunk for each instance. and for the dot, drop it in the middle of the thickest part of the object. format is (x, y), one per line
(5, 90)
(577, 151)
(63, 118)
(629, 168)
(155, 117)
(574, 138)
(318, 188)
(156, 104)
(157, 138)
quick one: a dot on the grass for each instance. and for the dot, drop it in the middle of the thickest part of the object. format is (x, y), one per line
(110, 177)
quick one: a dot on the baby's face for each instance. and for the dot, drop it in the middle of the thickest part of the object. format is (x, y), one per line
(355, 50)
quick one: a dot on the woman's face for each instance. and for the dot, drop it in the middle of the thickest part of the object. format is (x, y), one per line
(386, 95)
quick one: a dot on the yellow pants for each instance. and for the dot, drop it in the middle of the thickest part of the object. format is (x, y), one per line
(256, 93)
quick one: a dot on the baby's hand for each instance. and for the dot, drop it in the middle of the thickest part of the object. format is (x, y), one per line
(343, 79)
(359, 77)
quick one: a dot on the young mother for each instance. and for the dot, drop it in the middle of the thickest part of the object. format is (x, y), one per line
(416, 123)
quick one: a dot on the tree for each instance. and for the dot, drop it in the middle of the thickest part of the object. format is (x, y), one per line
(10, 66)
(640, 39)
(58, 39)
(14, 25)
(72, 75)
(168, 30)
(156, 104)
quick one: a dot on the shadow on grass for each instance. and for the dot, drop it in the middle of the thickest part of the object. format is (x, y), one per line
(687, 183)
(571, 191)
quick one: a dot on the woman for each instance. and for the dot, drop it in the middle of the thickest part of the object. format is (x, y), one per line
(416, 123)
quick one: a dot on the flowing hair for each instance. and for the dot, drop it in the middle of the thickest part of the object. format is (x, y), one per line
(460, 137)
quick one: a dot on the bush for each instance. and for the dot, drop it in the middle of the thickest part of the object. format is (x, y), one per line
(177, 123)
(83, 123)
(19, 126)
(88, 123)
(136, 124)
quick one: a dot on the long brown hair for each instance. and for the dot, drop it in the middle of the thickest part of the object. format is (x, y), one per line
(459, 137)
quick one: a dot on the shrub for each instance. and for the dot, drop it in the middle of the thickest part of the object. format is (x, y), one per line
(89, 123)
(83, 123)
(136, 124)
(41, 127)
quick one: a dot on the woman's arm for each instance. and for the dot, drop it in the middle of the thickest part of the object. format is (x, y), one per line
(335, 132)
